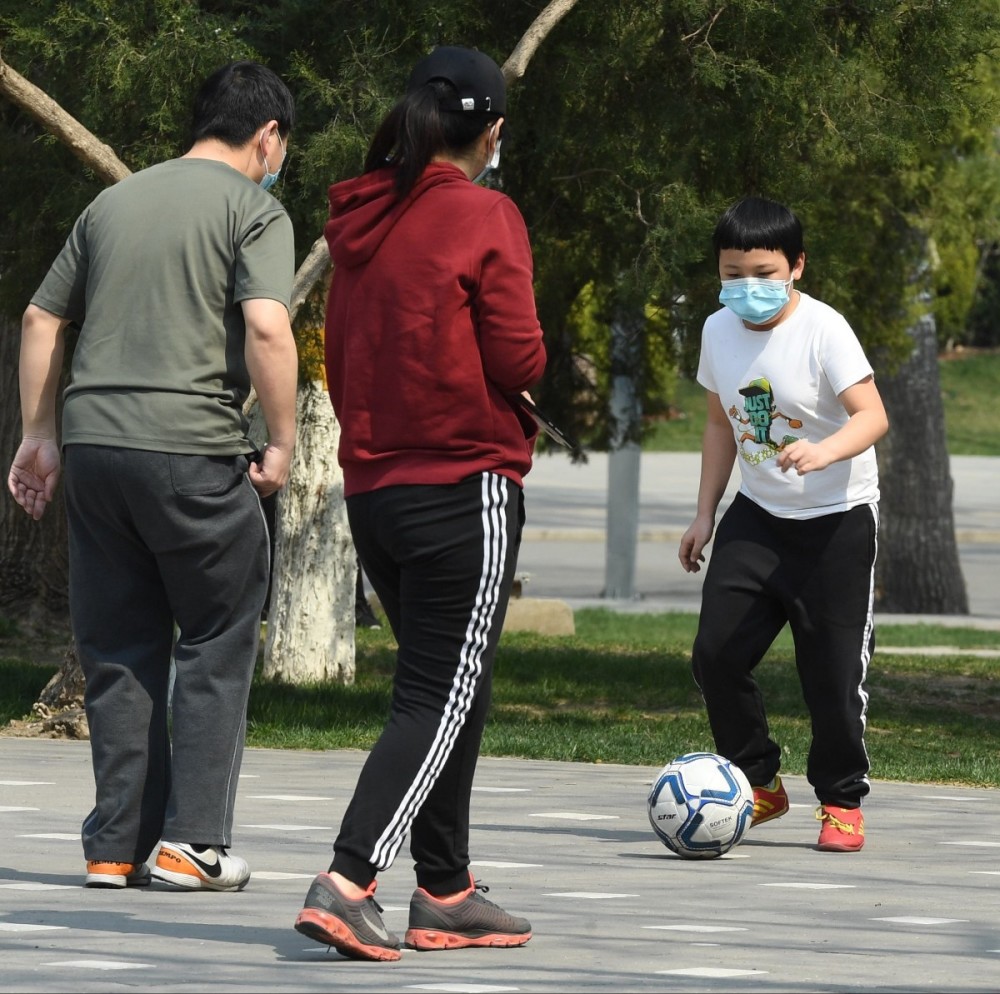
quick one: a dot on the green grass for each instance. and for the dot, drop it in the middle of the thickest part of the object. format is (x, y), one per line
(969, 385)
(620, 691)
(969, 388)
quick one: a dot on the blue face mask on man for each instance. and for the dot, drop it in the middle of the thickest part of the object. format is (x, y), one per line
(269, 179)
(754, 299)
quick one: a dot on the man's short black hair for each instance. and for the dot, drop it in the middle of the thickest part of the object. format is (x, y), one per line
(757, 223)
(238, 99)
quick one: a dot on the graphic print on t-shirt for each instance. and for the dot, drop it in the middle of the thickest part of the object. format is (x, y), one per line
(761, 413)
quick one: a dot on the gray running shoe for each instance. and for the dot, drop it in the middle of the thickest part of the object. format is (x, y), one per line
(470, 921)
(353, 927)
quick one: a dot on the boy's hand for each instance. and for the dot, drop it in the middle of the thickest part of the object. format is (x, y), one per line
(693, 542)
(804, 457)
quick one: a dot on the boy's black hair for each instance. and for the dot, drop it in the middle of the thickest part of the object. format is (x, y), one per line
(757, 223)
(238, 99)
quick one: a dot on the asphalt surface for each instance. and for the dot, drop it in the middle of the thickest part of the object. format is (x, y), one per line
(568, 845)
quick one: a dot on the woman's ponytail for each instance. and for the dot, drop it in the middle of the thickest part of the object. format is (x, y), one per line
(416, 130)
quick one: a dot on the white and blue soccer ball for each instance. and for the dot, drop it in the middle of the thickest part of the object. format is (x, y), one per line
(700, 805)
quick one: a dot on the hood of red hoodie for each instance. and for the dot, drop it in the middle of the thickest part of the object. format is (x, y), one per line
(363, 210)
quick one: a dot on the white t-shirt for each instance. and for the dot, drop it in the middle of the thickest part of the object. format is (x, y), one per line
(779, 386)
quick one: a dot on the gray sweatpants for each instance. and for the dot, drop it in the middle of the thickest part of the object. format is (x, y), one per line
(159, 541)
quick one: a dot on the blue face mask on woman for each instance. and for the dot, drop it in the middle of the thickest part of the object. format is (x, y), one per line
(494, 162)
(754, 299)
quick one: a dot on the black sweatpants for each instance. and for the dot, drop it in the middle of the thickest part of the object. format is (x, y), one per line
(818, 576)
(441, 560)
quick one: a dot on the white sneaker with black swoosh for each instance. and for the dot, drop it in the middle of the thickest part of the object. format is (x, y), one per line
(200, 867)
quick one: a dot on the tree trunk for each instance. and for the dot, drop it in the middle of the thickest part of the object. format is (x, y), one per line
(59, 708)
(310, 620)
(918, 570)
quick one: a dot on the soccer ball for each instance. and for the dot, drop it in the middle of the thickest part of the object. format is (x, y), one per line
(700, 805)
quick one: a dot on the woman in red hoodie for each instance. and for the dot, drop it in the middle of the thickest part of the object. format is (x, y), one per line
(431, 334)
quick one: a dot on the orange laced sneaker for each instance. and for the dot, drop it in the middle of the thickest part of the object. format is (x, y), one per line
(769, 802)
(843, 829)
(464, 920)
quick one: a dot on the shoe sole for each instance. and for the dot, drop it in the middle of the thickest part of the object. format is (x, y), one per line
(114, 881)
(838, 847)
(323, 927)
(191, 881)
(426, 940)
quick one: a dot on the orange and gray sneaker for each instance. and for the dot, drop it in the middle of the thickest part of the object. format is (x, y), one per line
(353, 926)
(769, 802)
(462, 920)
(843, 829)
(108, 873)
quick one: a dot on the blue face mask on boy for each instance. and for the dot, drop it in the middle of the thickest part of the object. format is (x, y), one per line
(754, 299)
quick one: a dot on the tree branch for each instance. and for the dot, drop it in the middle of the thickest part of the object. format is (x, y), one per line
(314, 266)
(517, 62)
(91, 152)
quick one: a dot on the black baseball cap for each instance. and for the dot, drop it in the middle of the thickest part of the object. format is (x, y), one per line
(476, 77)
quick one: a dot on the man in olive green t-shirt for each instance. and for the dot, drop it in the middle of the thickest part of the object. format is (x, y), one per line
(179, 279)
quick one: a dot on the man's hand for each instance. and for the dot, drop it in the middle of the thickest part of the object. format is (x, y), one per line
(271, 473)
(34, 474)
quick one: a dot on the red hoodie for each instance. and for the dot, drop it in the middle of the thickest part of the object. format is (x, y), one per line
(430, 325)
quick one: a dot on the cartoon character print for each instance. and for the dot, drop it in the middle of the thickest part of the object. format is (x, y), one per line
(761, 414)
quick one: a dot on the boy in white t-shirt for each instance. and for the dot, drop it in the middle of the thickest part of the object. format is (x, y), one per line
(792, 396)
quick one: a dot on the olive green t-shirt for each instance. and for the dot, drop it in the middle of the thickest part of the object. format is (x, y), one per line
(153, 273)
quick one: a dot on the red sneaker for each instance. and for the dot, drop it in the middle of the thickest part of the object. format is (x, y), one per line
(843, 829)
(769, 802)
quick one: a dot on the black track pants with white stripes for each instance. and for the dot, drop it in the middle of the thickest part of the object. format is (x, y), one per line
(441, 560)
(818, 576)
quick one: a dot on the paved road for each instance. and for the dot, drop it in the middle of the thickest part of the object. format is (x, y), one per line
(568, 845)
(563, 549)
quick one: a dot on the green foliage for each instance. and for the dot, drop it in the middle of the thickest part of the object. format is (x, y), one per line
(632, 128)
(128, 73)
(844, 112)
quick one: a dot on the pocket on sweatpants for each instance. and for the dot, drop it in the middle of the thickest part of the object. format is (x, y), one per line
(202, 476)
